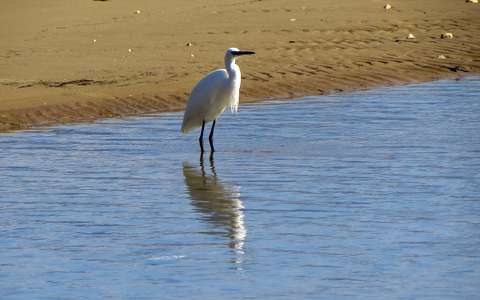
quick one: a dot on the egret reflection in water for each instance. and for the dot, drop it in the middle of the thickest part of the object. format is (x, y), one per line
(219, 202)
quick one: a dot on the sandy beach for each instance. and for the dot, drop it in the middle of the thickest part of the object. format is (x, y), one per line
(76, 61)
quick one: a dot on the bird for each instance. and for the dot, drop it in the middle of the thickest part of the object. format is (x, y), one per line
(210, 97)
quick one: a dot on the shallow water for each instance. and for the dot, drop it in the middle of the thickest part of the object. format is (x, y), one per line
(368, 195)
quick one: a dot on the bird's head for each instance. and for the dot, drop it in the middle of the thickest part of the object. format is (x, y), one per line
(233, 53)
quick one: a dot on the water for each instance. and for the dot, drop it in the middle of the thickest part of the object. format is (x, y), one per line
(368, 195)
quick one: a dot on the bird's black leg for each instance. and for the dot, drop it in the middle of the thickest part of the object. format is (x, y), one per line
(200, 140)
(210, 137)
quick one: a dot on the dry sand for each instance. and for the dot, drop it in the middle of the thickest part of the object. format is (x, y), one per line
(69, 61)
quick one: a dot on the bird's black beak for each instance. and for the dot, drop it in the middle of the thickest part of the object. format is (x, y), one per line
(238, 53)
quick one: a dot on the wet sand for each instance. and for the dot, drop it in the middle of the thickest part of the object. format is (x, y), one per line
(63, 62)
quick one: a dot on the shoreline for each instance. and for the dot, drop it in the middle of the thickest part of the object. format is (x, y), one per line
(103, 60)
(111, 114)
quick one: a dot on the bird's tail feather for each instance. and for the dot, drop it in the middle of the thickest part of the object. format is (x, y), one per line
(189, 124)
(185, 129)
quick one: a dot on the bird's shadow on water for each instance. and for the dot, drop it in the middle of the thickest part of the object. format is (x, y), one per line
(218, 202)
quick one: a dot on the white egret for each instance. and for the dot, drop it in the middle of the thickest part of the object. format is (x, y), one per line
(212, 95)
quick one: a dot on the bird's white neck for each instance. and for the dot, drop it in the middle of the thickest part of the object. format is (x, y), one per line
(232, 68)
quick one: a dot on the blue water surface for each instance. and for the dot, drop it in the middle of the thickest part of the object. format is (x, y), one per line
(365, 195)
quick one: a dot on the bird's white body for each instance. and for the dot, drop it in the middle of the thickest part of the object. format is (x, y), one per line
(213, 94)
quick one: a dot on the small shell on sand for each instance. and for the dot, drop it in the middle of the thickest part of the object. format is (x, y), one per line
(410, 36)
(188, 44)
(137, 11)
(292, 20)
(472, 1)
(441, 56)
(447, 35)
(388, 6)
(130, 50)
(94, 41)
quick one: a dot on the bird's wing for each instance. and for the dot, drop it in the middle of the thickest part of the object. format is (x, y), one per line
(203, 94)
